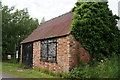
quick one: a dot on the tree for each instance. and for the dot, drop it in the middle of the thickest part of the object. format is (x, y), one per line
(16, 26)
(94, 26)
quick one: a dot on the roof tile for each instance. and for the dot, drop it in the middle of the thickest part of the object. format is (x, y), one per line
(55, 27)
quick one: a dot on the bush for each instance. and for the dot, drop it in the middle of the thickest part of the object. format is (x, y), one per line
(10, 61)
(107, 68)
(94, 25)
(21, 66)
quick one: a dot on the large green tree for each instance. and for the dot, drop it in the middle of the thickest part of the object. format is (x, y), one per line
(94, 25)
(16, 25)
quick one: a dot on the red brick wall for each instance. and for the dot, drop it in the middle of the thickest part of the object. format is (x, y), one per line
(36, 54)
(62, 56)
(69, 52)
(74, 52)
(77, 53)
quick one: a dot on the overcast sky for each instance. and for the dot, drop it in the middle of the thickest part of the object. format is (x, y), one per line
(50, 8)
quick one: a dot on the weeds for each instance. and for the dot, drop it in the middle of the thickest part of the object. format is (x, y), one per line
(106, 68)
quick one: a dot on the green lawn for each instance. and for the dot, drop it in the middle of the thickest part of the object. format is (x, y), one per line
(13, 69)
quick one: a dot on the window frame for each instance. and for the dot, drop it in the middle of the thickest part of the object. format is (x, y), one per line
(48, 42)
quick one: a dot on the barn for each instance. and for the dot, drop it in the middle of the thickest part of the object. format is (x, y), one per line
(52, 46)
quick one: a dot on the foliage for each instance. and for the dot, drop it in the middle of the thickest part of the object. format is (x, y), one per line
(10, 61)
(94, 26)
(16, 25)
(47, 71)
(107, 68)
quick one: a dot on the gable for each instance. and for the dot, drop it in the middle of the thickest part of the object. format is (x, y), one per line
(55, 27)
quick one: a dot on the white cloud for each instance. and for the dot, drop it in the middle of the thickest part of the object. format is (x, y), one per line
(113, 5)
(50, 8)
(43, 8)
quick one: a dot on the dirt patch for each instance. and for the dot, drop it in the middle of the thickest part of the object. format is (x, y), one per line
(22, 69)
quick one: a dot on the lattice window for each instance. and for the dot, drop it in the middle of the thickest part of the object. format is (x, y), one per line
(48, 50)
(44, 51)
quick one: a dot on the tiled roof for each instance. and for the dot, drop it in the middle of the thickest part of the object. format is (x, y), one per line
(55, 27)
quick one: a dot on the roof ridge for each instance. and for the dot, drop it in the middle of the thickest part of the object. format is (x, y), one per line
(57, 17)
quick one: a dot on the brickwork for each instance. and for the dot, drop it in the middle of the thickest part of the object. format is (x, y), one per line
(62, 53)
(77, 53)
(36, 54)
(62, 56)
(21, 54)
(74, 52)
(69, 53)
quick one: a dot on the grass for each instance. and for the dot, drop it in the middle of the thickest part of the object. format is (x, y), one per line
(106, 68)
(12, 68)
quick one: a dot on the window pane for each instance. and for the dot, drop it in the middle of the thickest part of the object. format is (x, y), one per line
(52, 51)
(51, 59)
(45, 41)
(50, 41)
(48, 50)
(44, 51)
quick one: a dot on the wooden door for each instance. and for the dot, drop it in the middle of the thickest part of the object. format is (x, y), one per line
(27, 54)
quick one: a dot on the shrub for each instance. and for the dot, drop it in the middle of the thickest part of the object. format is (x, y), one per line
(106, 68)
(21, 66)
(10, 61)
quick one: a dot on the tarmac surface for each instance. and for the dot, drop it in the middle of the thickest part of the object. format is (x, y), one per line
(5, 75)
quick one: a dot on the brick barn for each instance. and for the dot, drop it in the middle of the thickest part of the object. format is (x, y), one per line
(52, 46)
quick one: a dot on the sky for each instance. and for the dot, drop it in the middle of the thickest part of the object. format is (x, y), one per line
(50, 8)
